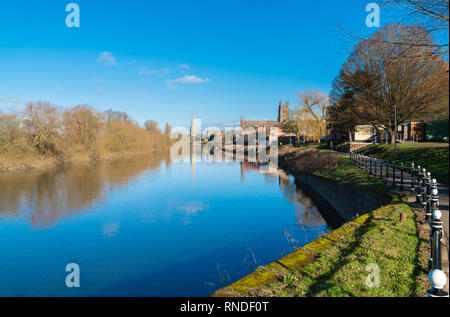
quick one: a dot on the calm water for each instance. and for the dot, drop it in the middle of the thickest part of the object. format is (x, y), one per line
(147, 227)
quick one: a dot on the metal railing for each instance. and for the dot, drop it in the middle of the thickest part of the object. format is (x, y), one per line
(418, 182)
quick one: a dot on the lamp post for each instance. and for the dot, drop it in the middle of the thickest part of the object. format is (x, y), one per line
(395, 130)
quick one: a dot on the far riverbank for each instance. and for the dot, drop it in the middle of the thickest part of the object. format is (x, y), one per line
(34, 162)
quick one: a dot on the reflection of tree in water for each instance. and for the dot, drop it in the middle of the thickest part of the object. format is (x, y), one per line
(308, 217)
(306, 212)
(50, 195)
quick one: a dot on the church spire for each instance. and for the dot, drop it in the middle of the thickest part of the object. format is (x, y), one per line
(192, 128)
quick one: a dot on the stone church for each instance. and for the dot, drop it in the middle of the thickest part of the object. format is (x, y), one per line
(283, 117)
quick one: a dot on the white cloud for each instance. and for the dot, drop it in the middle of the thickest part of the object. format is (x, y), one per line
(149, 72)
(12, 103)
(188, 79)
(107, 58)
(193, 207)
(110, 229)
(191, 79)
(185, 66)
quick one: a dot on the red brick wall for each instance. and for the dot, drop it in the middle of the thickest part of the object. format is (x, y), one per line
(356, 146)
(418, 128)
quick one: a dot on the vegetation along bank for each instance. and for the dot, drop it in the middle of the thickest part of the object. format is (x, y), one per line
(44, 135)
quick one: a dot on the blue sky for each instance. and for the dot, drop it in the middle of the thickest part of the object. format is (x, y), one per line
(163, 59)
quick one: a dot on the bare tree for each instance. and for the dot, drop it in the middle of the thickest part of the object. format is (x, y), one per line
(433, 15)
(412, 85)
(42, 123)
(11, 135)
(81, 125)
(151, 125)
(310, 116)
(430, 15)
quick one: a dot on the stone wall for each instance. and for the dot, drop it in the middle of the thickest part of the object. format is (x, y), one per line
(343, 200)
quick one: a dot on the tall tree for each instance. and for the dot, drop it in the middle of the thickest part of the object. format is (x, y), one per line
(42, 125)
(412, 85)
(344, 113)
(168, 130)
(81, 126)
(151, 126)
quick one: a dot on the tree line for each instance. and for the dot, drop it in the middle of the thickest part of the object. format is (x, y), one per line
(401, 65)
(43, 129)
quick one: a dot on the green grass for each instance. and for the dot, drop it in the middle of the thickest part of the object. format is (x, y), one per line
(345, 172)
(340, 270)
(339, 264)
(432, 156)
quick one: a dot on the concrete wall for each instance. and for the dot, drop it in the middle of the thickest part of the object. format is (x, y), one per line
(336, 200)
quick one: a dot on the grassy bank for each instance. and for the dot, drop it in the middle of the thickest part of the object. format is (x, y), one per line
(346, 172)
(335, 264)
(432, 156)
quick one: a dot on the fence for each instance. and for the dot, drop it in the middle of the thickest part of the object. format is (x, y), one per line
(419, 183)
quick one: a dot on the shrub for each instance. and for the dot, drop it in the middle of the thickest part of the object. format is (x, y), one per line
(12, 138)
(42, 130)
(42, 126)
(310, 159)
(81, 127)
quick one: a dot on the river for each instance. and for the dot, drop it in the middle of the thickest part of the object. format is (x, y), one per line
(146, 226)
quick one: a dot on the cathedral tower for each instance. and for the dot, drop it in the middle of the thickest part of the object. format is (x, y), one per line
(283, 112)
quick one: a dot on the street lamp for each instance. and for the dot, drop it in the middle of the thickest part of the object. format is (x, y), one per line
(395, 130)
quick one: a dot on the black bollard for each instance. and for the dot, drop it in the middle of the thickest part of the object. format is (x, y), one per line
(423, 196)
(437, 276)
(418, 190)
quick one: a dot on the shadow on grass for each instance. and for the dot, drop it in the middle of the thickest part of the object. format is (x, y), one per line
(321, 282)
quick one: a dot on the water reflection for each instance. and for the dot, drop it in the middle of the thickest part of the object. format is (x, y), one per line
(47, 196)
(306, 211)
(145, 227)
(52, 195)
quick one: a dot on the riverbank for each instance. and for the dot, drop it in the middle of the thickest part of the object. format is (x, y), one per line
(387, 240)
(33, 162)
